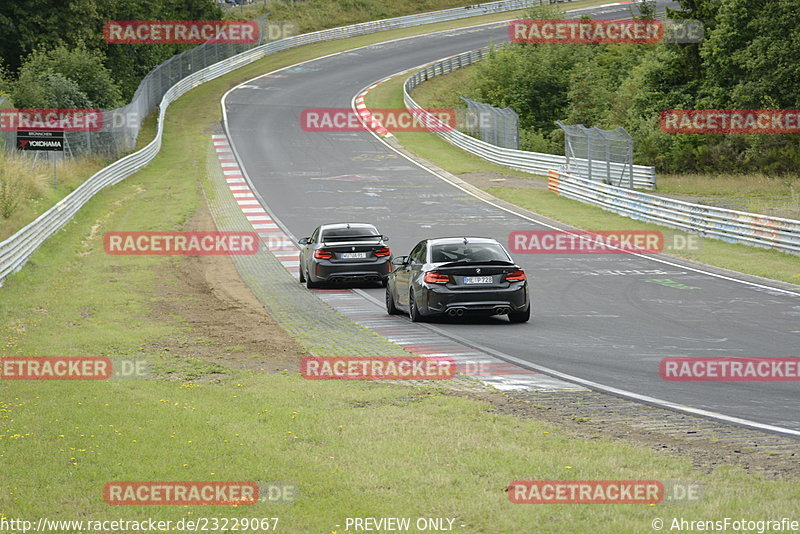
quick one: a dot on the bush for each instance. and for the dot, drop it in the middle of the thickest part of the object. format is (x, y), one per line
(66, 78)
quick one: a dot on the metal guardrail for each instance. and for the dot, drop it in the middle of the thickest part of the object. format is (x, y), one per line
(533, 162)
(16, 250)
(717, 223)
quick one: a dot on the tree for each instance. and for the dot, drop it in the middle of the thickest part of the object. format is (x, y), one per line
(47, 24)
(66, 77)
(49, 90)
(5, 83)
(751, 56)
(647, 10)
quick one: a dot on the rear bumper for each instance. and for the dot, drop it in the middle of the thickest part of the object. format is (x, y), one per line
(440, 300)
(373, 271)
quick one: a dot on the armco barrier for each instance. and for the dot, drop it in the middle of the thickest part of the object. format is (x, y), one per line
(533, 162)
(717, 223)
(16, 250)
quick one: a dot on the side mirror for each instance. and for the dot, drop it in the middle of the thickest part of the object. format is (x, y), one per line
(400, 260)
(385, 237)
(305, 241)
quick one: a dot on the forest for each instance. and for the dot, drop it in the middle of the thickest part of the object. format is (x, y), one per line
(749, 58)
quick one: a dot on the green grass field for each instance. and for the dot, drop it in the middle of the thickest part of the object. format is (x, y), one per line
(352, 449)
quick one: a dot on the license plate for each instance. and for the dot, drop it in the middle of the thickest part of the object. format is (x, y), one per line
(478, 279)
(353, 255)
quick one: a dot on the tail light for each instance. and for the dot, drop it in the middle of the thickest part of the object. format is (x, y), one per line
(383, 252)
(322, 254)
(516, 276)
(435, 277)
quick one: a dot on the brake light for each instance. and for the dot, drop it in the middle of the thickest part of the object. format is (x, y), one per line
(322, 254)
(516, 276)
(434, 277)
(383, 252)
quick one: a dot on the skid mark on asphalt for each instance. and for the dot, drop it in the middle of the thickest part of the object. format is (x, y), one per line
(412, 337)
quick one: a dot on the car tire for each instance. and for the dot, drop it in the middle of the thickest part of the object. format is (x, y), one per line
(384, 282)
(302, 276)
(309, 283)
(413, 311)
(391, 309)
(520, 317)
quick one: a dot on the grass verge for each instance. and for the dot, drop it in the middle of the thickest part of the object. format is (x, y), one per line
(27, 189)
(745, 259)
(352, 449)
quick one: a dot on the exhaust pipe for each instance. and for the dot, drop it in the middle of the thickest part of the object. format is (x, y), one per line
(501, 310)
(459, 312)
(451, 312)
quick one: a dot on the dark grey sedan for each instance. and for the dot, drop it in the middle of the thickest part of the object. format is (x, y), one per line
(457, 276)
(344, 252)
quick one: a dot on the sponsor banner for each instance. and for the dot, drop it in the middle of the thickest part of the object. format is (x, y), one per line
(394, 120)
(730, 369)
(181, 32)
(181, 243)
(71, 368)
(51, 120)
(181, 493)
(586, 492)
(730, 121)
(377, 368)
(40, 141)
(585, 31)
(583, 242)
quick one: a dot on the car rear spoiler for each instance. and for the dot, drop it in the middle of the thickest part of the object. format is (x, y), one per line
(362, 240)
(492, 263)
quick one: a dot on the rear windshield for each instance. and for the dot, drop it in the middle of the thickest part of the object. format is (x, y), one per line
(340, 234)
(471, 252)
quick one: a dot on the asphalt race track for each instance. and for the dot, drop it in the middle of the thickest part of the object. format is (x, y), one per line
(594, 317)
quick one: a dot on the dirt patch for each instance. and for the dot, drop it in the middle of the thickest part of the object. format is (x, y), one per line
(226, 324)
(705, 454)
(485, 180)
